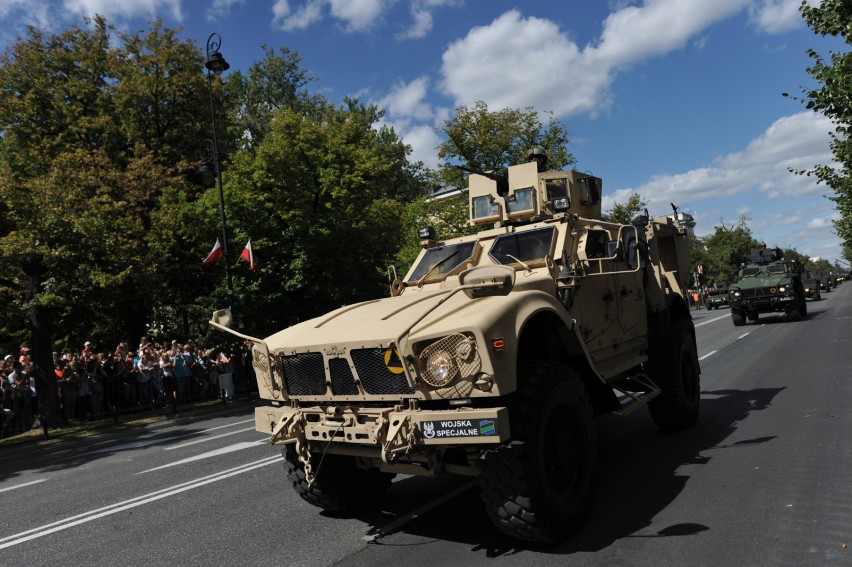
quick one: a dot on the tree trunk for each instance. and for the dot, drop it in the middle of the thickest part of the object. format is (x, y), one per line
(39, 323)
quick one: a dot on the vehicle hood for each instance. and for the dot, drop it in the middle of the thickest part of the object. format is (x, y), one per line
(383, 320)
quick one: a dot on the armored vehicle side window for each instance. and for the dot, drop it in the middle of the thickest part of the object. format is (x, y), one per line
(596, 244)
(557, 189)
(528, 247)
(441, 260)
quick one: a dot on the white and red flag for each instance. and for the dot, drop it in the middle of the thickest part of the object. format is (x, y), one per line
(215, 255)
(248, 255)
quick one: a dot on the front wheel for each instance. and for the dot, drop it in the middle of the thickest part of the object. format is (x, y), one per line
(538, 486)
(677, 405)
(738, 317)
(341, 484)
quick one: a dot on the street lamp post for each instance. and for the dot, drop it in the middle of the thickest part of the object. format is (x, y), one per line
(215, 65)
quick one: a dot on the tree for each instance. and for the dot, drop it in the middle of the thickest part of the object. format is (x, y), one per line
(332, 187)
(624, 212)
(480, 139)
(91, 135)
(725, 249)
(491, 141)
(834, 100)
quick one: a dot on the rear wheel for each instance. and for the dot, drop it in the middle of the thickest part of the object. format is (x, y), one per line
(677, 405)
(538, 486)
(341, 484)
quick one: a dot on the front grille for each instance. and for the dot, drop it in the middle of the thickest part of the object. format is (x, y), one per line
(375, 376)
(304, 374)
(342, 381)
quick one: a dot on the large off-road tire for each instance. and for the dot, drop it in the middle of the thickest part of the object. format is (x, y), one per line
(753, 316)
(738, 317)
(799, 312)
(340, 485)
(678, 377)
(538, 486)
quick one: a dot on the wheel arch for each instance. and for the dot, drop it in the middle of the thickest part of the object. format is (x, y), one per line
(544, 335)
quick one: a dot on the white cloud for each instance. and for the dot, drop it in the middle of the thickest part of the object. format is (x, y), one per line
(776, 16)
(423, 140)
(423, 22)
(634, 33)
(421, 13)
(358, 15)
(306, 15)
(220, 9)
(409, 100)
(519, 62)
(125, 9)
(798, 141)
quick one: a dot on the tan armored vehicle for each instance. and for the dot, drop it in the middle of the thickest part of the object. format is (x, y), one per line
(491, 357)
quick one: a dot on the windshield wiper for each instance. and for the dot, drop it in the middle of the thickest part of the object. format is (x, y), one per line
(435, 267)
(521, 262)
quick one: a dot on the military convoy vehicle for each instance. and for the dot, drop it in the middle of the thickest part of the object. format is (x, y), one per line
(491, 357)
(717, 297)
(812, 289)
(768, 284)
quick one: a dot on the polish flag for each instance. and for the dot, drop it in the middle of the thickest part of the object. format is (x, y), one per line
(248, 255)
(215, 255)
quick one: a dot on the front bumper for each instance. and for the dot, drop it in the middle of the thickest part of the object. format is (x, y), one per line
(765, 304)
(392, 432)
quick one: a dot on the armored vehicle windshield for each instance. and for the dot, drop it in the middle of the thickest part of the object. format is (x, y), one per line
(440, 261)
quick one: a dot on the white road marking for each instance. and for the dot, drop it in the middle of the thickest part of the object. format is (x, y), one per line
(23, 485)
(181, 446)
(709, 354)
(148, 442)
(66, 523)
(712, 320)
(216, 453)
(743, 336)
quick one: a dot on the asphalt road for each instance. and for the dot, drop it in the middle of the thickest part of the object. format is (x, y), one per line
(764, 478)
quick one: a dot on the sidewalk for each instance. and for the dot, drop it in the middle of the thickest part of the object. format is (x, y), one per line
(186, 413)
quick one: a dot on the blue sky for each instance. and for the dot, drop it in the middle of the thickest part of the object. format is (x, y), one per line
(679, 100)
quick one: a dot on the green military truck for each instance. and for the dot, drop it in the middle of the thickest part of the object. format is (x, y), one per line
(768, 284)
(491, 357)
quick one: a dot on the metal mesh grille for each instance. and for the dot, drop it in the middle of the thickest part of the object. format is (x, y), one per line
(342, 382)
(304, 374)
(375, 376)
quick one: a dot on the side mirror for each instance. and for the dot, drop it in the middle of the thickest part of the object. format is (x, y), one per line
(227, 318)
(488, 280)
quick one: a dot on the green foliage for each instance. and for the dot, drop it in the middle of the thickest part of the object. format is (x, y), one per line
(625, 212)
(724, 251)
(834, 100)
(333, 189)
(481, 139)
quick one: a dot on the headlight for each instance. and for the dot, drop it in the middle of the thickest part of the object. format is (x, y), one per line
(736, 293)
(782, 289)
(439, 368)
(449, 358)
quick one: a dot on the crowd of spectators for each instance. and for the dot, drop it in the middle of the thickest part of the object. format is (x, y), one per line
(91, 383)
